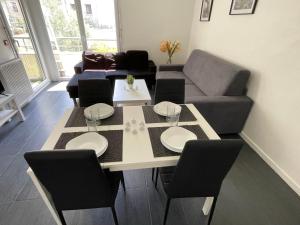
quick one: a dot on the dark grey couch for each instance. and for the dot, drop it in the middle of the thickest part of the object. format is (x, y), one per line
(216, 87)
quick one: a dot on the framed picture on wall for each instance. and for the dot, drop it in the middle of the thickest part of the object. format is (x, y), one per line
(206, 10)
(242, 7)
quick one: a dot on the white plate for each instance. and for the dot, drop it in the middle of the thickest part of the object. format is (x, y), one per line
(175, 138)
(161, 108)
(90, 140)
(99, 111)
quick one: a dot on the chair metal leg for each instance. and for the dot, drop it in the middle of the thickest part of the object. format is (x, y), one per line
(167, 210)
(156, 177)
(123, 182)
(212, 209)
(61, 217)
(114, 215)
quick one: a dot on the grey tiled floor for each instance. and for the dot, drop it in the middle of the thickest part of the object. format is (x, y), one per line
(252, 194)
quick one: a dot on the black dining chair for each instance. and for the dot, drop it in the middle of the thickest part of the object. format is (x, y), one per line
(92, 91)
(172, 90)
(200, 171)
(74, 180)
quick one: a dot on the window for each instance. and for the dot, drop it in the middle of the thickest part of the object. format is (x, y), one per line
(71, 34)
(88, 8)
(73, 6)
(14, 7)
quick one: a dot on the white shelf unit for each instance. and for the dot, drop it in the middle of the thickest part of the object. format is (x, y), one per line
(9, 108)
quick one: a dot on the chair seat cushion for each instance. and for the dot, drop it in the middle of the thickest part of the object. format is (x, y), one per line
(173, 75)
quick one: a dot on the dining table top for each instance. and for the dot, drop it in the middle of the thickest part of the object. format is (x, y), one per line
(133, 148)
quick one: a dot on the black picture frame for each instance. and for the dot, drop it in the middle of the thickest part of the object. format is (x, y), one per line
(242, 11)
(206, 19)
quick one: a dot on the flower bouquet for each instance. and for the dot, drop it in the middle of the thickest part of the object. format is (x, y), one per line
(169, 47)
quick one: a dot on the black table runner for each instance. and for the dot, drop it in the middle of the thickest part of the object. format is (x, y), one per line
(113, 152)
(159, 150)
(77, 118)
(152, 117)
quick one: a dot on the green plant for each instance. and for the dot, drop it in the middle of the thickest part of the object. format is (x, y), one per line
(130, 79)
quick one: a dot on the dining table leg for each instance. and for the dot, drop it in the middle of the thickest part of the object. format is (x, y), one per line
(40, 189)
(207, 205)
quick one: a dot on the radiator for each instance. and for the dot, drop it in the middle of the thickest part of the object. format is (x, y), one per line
(15, 80)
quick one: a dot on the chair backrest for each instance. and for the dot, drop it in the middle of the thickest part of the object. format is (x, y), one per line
(92, 91)
(172, 90)
(74, 178)
(202, 167)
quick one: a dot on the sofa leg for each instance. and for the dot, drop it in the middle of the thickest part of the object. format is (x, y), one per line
(74, 101)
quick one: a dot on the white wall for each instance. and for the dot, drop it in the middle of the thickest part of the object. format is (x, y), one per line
(267, 43)
(6, 52)
(146, 23)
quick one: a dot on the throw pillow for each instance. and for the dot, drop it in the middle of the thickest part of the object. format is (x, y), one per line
(120, 60)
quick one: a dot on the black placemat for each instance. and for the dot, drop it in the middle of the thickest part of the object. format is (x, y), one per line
(159, 150)
(152, 117)
(77, 118)
(114, 149)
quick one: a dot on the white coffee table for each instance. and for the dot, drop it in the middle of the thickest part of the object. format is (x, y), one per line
(139, 95)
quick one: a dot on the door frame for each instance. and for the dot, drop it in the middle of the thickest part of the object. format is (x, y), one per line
(38, 54)
(8, 32)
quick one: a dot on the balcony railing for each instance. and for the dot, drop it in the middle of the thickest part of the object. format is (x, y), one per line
(67, 52)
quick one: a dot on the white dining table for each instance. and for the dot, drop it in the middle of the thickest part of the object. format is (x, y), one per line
(137, 152)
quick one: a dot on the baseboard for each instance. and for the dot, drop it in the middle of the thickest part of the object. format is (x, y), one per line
(38, 90)
(290, 181)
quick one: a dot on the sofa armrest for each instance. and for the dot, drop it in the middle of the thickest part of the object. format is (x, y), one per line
(152, 66)
(173, 67)
(78, 68)
(226, 114)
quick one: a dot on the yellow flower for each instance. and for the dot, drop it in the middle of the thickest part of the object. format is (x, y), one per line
(170, 47)
(163, 46)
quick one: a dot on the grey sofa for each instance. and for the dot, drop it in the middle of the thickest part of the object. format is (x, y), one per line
(216, 87)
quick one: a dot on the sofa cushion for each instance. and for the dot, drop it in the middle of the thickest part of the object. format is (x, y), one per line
(173, 75)
(120, 60)
(93, 61)
(137, 60)
(116, 72)
(215, 76)
(192, 92)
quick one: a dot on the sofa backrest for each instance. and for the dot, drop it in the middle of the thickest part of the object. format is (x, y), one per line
(215, 76)
(137, 59)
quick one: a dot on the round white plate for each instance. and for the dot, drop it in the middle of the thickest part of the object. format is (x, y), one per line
(161, 108)
(90, 140)
(175, 138)
(99, 111)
